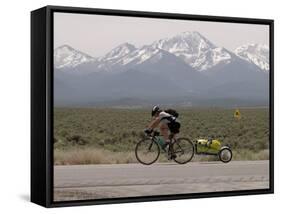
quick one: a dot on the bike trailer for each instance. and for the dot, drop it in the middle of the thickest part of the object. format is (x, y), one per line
(208, 146)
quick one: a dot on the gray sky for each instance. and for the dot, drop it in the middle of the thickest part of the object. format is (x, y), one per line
(96, 34)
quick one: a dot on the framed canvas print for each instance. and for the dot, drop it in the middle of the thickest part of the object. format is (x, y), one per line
(134, 106)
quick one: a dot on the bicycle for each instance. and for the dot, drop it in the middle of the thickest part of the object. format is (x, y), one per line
(180, 150)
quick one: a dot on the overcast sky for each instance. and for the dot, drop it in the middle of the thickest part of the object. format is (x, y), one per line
(97, 34)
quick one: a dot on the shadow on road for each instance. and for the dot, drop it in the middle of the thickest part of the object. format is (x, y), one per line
(211, 162)
(24, 197)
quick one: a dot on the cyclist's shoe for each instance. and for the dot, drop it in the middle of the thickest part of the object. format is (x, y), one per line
(171, 156)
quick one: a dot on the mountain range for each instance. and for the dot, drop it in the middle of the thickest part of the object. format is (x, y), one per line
(186, 69)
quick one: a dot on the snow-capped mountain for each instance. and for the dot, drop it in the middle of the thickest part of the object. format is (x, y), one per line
(67, 57)
(113, 57)
(195, 50)
(119, 52)
(191, 47)
(126, 56)
(255, 53)
(141, 55)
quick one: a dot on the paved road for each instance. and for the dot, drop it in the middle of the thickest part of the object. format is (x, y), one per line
(126, 180)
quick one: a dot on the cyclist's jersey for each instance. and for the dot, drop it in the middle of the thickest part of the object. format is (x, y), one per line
(166, 117)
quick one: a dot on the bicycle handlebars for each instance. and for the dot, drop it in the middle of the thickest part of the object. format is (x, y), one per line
(153, 134)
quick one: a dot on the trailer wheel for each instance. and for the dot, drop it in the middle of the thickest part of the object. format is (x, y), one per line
(225, 155)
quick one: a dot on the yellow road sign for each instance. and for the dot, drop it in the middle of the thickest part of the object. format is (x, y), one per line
(237, 114)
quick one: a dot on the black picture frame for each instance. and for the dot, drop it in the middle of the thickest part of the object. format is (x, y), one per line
(42, 104)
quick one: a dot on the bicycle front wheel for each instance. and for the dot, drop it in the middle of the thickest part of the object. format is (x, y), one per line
(147, 151)
(183, 149)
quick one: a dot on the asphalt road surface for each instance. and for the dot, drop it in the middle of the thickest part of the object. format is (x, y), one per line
(79, 182)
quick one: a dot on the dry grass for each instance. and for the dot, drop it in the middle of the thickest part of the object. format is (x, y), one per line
(91, 156)
(76, 156)
(241, 155)
(250, 155)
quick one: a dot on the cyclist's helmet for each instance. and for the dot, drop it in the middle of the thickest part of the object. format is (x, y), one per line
(155, 110)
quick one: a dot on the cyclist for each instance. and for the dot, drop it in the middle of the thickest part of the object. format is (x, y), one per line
(167, 121)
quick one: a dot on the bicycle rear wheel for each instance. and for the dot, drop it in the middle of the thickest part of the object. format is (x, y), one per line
(147, 151)
(183, 149)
